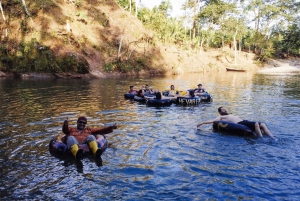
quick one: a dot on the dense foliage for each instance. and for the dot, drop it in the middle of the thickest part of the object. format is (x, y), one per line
(268, 28)
(35, 36)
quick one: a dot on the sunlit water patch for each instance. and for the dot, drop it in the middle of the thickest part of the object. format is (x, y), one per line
(156, 152)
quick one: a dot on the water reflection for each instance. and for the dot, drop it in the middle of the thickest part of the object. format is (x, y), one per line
(155, 152)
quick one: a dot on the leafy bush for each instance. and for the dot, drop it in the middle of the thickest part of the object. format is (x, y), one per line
(108, 67)
(125, 67)
(32, 57)
(73, 63)
(267, 53)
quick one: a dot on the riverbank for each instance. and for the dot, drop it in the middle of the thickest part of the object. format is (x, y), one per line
(281, 66)
(85, 44)
(185, 66)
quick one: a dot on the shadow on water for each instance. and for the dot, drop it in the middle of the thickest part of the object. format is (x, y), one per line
(155, 152)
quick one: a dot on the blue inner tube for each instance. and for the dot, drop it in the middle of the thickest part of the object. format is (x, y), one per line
(129, 96)
(165, 93)
(233, 129)
(188, 100)
(139, 99)
(156, 102)
(206, 97)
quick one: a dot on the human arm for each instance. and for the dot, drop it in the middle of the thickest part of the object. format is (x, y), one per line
(65, 127)
(209, 121)
(105, 130)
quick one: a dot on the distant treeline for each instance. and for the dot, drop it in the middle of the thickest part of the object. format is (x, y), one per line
(268, 28)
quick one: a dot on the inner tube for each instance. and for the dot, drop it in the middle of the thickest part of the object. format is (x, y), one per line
(167, 93)
(60, 149)
(234, 129)
(139, 99)
(188, 100)
(158, 103)
(129, 96)
(206, 97)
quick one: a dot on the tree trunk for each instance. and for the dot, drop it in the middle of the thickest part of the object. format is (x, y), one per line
(194, 20)
(4, 19)
(234, 42)
(223, 43)
(25, 7)
(2, 12)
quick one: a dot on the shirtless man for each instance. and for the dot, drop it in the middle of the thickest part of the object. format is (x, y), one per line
(255, 126)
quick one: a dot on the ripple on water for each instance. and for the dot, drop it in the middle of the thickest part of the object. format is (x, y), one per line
(156, 153)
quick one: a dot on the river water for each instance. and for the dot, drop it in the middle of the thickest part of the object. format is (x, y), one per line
(156, 153)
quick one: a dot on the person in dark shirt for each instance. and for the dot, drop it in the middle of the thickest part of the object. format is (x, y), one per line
(200, 90)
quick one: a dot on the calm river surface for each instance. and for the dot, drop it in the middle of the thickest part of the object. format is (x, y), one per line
(156, 153)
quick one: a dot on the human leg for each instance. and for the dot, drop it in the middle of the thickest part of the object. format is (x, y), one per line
(254, 126)
(72, 144)
(93, 145)
(264, 127)
(257, 129)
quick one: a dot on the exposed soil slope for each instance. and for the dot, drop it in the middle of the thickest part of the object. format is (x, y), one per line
(100, 32)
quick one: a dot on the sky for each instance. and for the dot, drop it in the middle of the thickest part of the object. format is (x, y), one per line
(175, 3)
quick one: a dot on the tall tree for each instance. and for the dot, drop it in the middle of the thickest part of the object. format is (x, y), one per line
(4, 19)
(191, 8)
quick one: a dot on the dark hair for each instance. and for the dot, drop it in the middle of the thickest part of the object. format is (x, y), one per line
(172, 85)
(82, 118)
(199, 84)
(219, 109)
(192, 94)
(140, 92)
(130, 86)
(158, 95)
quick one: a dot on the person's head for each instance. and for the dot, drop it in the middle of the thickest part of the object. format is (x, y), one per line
(222, 111)
(131, 87)
(199, 86)
(192, 93)
(140, 92)
(158, 95)
(172, 87)
(81, 122)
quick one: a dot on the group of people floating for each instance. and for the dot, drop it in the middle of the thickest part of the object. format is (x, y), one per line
(82, 135)
(146, 91)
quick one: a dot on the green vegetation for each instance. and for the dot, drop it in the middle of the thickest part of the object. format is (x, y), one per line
(216, 23)
(31, 57)
(62, 36)
(125, 66)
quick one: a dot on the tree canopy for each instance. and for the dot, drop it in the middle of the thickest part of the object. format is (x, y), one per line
(258, 25)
